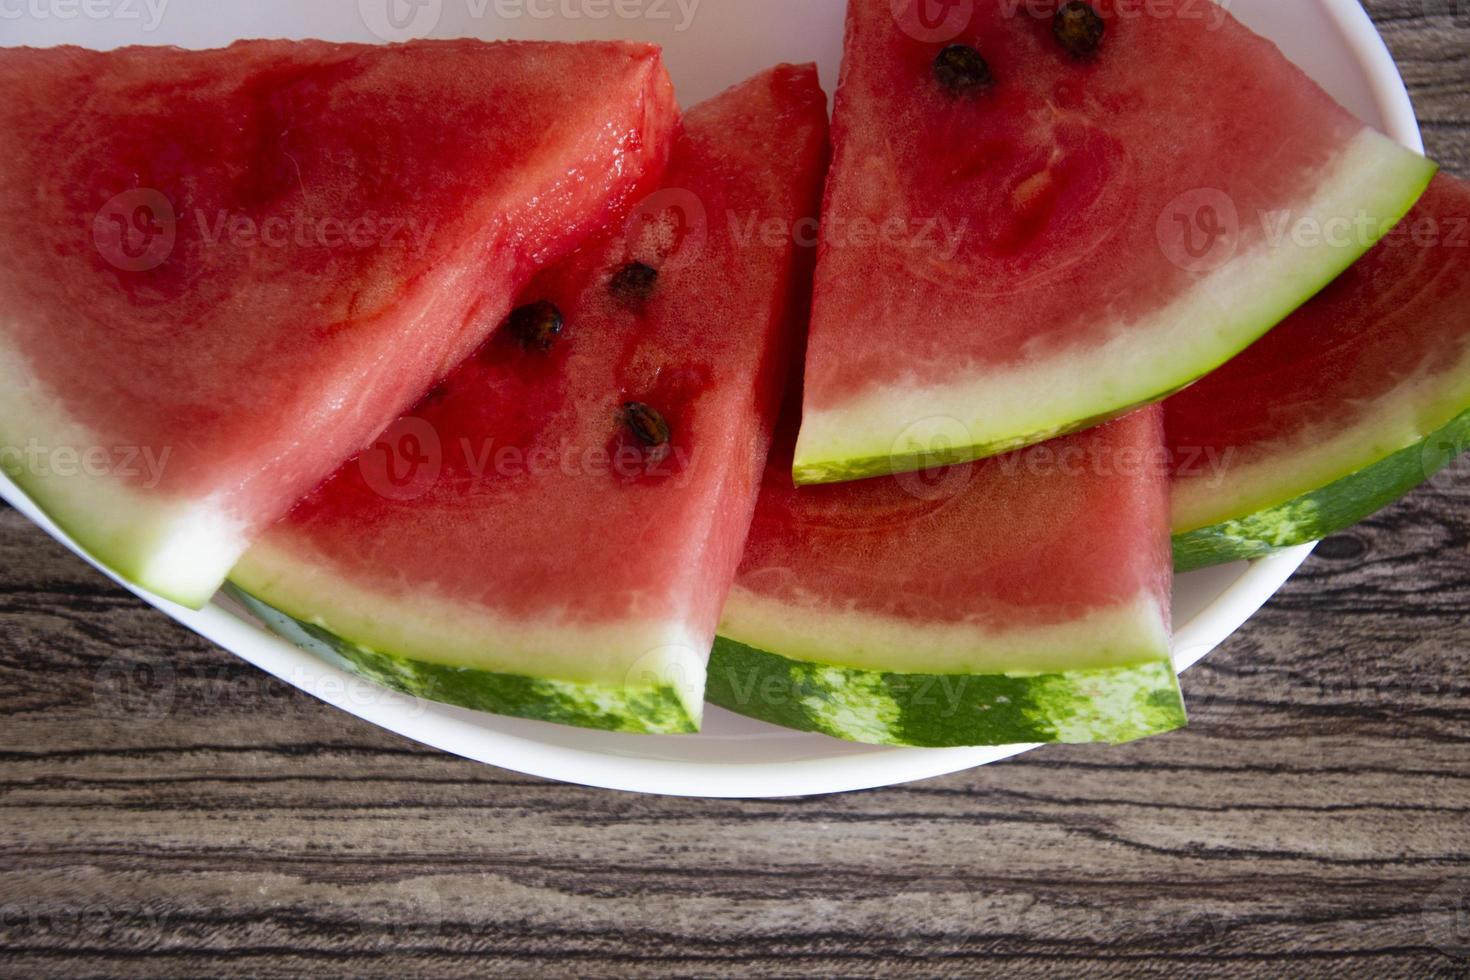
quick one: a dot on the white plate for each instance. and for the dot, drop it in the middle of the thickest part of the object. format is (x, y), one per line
(710, 44)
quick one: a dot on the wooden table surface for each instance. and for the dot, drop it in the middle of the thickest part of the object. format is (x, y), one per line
(1318, 810)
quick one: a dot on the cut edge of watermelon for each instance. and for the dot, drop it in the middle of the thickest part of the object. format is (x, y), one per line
(1107, 677)
(1369, 480)
(567, 673)
(1113, 636)
(177, 548)
(1417, 411)
(911, 427)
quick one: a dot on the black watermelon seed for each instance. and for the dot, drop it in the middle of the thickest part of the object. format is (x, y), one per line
(961, 70)
(1079, 29)
(536, 325)
(634, 283)
(647, 426)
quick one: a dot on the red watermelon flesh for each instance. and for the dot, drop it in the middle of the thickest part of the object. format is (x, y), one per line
(1360, 396)
(547, 563)
(1023, 598)
(1072, 237)
(242, 264)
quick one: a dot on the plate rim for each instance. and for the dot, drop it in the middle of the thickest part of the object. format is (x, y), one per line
(229, 627)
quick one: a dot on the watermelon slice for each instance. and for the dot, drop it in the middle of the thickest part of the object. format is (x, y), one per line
(1024, 598)
(226, 271)
(1355, 400)
(1043, 214)
(585, 482)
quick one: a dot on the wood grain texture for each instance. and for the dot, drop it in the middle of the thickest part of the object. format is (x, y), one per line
(1315, 821)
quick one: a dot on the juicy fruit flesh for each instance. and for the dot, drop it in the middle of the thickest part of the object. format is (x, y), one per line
(1025, 226)
(305, 290)
(1375, 364)
(543, 509)
(1026, 542)
(1050, 175)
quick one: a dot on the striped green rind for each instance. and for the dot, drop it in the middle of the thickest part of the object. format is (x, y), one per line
(1326, 511)
(938, 710)
(643, 709)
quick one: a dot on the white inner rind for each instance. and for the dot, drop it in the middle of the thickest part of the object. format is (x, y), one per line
(1320, 456)
(629, 654)
(1002, 408)
(1116, 636)
(180, 548)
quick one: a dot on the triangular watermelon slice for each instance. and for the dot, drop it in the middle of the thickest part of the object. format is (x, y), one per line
(570, 506)
(1019, 599)
(1042, 214)
(226, 271)
(1359, 397)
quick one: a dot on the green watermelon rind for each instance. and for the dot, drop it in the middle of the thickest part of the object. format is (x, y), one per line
(640, 709)
(1378, 179)
(1326, 511)
(1115, 704)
